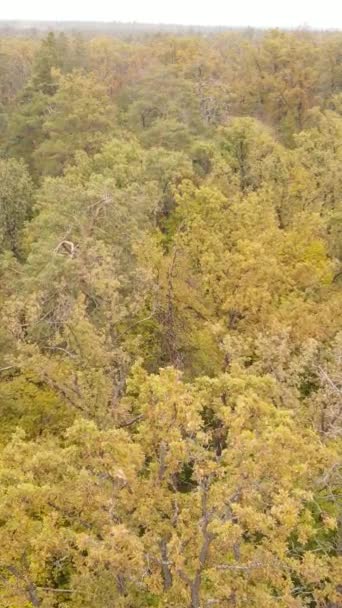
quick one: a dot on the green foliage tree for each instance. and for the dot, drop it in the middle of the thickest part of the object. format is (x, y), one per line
(15, 203)
(79, 118)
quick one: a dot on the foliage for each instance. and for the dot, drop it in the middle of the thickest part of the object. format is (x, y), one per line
(170, 321)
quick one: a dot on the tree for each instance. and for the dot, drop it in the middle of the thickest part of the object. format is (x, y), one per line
(15, 203)
(59, 544)
(47, 59)
(79, 118)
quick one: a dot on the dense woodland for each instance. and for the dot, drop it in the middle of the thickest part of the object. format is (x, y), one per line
(170, 320)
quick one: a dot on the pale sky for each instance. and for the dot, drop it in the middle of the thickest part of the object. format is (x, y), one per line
(321, 14)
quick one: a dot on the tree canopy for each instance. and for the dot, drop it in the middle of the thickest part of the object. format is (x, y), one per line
(171, 320)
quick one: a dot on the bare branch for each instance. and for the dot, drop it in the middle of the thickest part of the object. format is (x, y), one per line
(66, 247)
(242, 568)
(165, 565)
(326, 377)
(52, 590)
(124, 425)
(6, 369)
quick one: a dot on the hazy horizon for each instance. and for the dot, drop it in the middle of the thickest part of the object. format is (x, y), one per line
(263, 13)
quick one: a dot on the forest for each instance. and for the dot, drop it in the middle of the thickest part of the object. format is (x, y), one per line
(170, 319)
